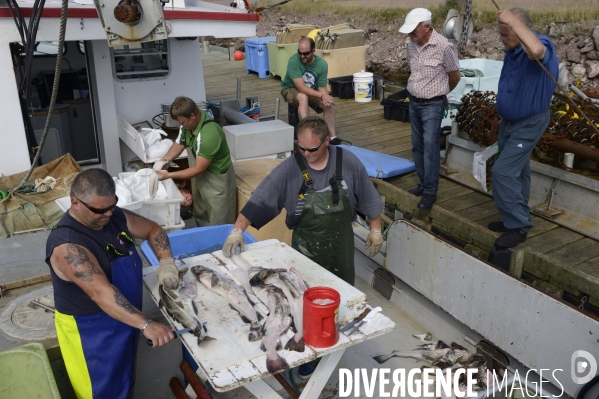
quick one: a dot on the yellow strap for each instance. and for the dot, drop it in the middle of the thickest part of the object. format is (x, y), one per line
(72, 353)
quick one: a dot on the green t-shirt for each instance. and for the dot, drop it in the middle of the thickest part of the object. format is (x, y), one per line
(208, 141)
(314, 75)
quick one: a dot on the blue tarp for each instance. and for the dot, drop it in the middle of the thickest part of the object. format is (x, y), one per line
(381, 165)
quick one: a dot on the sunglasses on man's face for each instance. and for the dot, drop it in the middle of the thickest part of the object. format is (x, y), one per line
(313, 149)
(102, 211)
(305, 54)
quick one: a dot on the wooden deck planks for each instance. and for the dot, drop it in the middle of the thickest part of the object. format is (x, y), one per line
(363, 125)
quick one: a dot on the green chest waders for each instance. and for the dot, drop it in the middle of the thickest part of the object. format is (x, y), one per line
(214, 196)
(324, 233)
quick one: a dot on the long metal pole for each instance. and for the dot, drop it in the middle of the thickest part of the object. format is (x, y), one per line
(236, 117)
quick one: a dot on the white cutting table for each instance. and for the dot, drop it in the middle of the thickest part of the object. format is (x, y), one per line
(231, 361)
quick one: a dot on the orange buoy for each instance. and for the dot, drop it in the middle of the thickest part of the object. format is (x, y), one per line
(238, 55)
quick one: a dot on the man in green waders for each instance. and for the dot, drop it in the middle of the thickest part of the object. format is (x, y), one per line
(318, 187)
(213, 184)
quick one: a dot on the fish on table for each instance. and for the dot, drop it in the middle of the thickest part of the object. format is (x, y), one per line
(234, 294)
(242, 275)
(297, 287)
(277, 323)
(293, 291)
(179, 305)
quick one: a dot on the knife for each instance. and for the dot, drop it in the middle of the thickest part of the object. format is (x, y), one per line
(356, 319)
(366, 319)
(177, 334)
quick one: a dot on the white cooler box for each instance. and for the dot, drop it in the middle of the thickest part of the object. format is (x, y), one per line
(167, 213)
(491, 70)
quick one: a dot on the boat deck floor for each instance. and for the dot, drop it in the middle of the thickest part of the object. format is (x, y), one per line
(364, 125)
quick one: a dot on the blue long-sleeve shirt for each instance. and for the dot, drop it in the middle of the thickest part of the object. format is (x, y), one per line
(524, 88)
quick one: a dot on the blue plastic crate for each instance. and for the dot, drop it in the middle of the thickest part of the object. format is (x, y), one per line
(193, 242)
(256, 55)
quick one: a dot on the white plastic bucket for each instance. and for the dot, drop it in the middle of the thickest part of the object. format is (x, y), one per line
(363, 86)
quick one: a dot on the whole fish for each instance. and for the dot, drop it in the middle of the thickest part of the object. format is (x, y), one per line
(430, 352)
(182, 309)
(458, 355)
(262, 277)
(235, 295)
(277, 324)
(241, 273)
(292, 279)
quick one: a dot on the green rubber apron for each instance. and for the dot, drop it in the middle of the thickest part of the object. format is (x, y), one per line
(324, 232)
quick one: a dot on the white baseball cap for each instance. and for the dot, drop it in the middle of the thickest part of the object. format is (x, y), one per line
(413, 18)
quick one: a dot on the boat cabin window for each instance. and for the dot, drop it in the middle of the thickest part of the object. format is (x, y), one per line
(141, 61)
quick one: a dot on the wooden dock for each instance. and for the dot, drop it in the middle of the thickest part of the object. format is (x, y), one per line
(558, 260)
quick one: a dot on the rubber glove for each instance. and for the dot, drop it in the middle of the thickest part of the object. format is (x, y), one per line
(374, 241)
(168, 275)
(233, 241)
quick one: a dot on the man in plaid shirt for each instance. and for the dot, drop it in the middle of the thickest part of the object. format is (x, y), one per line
(435, 71)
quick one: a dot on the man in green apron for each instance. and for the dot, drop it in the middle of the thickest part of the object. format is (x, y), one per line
(318, 187)
(213, 184)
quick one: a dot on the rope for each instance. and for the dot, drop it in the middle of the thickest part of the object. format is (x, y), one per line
(58, 69)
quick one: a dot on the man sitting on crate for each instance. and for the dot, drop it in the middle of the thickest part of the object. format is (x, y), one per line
(213, 184)
(305, 85)
(435, 71)
(97, 279)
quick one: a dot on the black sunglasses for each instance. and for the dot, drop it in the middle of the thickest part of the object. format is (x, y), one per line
(313, 149)
(307, 53)
(97, 210)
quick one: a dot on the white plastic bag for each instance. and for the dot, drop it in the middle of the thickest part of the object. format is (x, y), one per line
(159, 149)
(123, 192)
(139, 184)
(482, 165)
(151, 136)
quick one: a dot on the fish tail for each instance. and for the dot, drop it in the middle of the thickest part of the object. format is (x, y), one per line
(381, 358)
(277, 364)
(205, 338)
(292, 345)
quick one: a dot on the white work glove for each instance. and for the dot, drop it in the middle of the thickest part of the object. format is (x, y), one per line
(234, 241)
(374, 241)
(168, 275)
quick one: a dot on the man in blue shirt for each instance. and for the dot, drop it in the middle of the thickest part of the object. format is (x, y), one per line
(523, 98)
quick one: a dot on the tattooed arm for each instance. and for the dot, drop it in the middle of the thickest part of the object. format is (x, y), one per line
(73, 262)
(143, 228)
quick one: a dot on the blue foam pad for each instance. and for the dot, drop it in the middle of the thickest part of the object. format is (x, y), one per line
(381, 165)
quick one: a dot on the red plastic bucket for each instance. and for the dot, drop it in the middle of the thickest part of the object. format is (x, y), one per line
(321, 321)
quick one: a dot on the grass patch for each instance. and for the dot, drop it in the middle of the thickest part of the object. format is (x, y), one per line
(484, 12)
